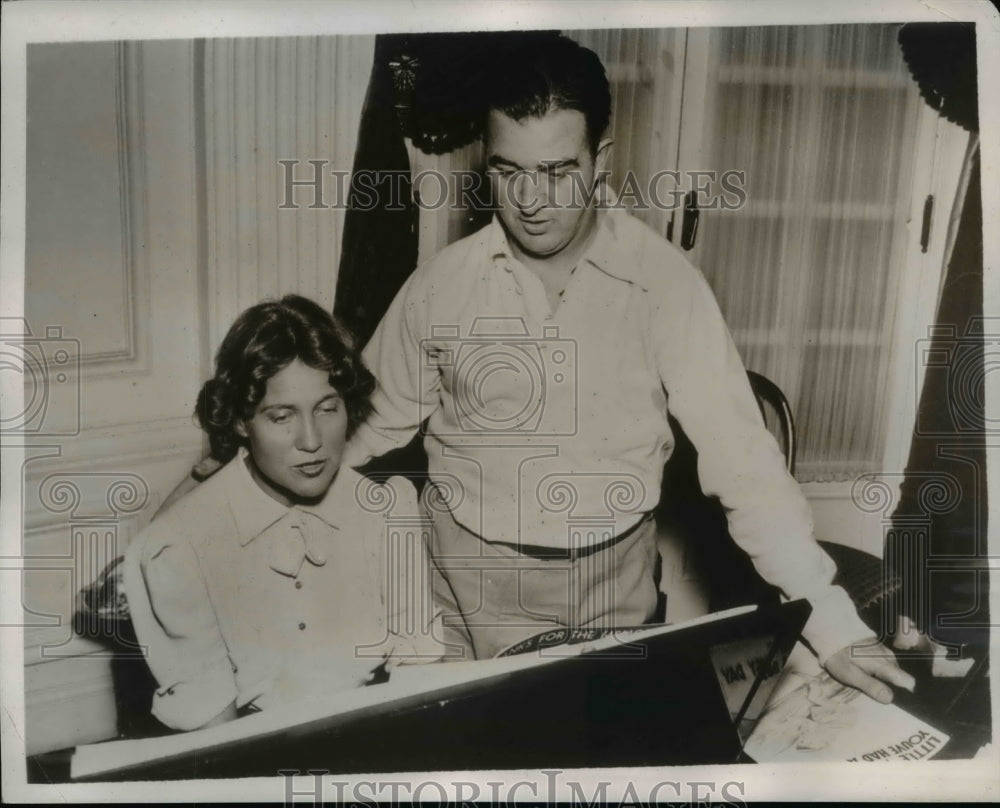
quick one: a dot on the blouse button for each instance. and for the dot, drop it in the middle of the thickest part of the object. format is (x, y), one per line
(302, 626)
(298, 584)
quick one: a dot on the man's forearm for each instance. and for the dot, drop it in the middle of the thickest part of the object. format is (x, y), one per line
(369, 442)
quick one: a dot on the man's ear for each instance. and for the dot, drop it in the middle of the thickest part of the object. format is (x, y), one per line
(602, 160)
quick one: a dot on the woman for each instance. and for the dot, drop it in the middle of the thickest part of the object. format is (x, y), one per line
(276, 578)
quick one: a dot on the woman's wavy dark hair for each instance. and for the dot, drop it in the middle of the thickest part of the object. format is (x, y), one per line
(264, 339)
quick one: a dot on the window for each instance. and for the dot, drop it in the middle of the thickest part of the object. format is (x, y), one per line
(815, 271)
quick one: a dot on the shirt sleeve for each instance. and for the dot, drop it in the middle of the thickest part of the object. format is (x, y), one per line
(177, 627)
(415, 621)
(739, 462)
(407, 391)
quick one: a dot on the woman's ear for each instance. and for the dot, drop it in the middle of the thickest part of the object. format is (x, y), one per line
(241, 428)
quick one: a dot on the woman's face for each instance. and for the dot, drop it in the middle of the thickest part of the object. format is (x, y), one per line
(296, 435)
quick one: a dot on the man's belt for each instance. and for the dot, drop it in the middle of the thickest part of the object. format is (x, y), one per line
(573, 553)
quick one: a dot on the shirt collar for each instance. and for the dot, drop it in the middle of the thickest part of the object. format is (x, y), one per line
(608, 252)
(254, 511)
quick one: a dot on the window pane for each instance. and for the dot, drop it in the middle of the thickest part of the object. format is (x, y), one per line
(770, 45)
(849, 283)
(857, 161)
(806, 273)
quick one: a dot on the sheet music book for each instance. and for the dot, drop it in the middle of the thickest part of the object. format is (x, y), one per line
(812, 717)
(636, 696)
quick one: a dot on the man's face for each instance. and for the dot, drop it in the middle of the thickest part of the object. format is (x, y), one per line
(296, 435)
(532, 163)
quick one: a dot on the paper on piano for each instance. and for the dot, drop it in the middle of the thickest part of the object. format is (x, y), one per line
(406, 682)
(114, 756)
(812, 717)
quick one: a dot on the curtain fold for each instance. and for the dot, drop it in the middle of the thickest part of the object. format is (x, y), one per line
(380, 239)
(266, 100)
(948, 454)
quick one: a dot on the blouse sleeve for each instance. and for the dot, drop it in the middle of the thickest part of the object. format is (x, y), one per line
(178, 630)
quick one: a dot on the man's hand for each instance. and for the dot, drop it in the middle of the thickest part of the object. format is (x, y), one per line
(202, 470)
(862, 664)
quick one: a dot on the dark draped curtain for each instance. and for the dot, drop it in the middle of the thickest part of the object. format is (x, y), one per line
(938, 539)
(379, 248)
(940, 525)
(432, 88)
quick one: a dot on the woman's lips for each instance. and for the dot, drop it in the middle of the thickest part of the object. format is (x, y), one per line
(311, 469)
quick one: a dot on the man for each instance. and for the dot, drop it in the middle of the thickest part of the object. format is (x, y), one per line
(545, 351)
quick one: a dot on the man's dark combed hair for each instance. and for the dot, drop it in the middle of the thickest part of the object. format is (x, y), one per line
(265, 339)
(553, 73)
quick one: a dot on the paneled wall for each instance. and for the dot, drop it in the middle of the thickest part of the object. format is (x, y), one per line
(153, 217)
(112, 297)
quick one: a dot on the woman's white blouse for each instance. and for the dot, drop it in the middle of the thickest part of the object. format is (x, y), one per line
(235, 597)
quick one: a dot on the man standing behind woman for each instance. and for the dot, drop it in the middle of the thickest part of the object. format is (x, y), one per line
(545, 352)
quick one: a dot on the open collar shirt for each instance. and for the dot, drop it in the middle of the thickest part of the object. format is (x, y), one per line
(548, 426)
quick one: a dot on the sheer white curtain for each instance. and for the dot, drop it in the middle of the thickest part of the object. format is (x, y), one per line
(822, 120)
(646, 70)
(443, 224)
(267, 100)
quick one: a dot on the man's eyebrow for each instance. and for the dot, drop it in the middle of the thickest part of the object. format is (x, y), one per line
(497, 160)
(555, 165)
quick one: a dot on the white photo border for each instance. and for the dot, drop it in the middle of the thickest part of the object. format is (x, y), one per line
(73, 21)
